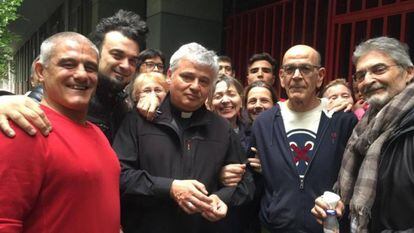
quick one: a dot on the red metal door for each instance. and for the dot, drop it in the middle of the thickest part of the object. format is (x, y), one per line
(354, 21)
(333, 27)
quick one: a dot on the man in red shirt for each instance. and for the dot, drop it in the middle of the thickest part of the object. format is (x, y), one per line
(68, 181)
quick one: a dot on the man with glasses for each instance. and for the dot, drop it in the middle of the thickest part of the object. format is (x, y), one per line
(300, 145)
(261, 66)
(151, 60)
(376, 176)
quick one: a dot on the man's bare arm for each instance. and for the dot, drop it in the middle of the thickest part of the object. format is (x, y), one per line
(24, 112)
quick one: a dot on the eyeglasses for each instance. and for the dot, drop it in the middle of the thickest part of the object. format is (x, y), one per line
(377, 69)
(304, 69)
(152, 65)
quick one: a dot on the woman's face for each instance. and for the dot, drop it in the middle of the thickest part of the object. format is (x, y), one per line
(258, 100)
(150, 87)
(226, 101)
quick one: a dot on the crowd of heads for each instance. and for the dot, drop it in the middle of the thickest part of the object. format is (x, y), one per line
(301, 73)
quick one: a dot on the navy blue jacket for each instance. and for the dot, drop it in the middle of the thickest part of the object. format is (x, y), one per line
(288, 199)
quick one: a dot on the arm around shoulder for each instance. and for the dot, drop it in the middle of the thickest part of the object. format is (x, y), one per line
(25, 112)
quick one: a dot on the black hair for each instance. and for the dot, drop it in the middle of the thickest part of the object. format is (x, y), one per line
(126, 22)
(260, 57)
(224, 58)
(149, 53)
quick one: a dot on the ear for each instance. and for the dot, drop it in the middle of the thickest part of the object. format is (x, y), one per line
(40, 70)
(169, 74)
(281, 78)
(410, 74)
(321, 76)
(273, 79)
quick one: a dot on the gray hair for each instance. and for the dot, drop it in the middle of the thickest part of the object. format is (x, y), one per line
(197, 54)
(397, 50)
(48, 45)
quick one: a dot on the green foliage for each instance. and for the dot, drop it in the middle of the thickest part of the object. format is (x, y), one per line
(8, 13)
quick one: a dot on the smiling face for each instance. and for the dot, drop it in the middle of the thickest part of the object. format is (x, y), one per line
(379, 89)
(69, 76)
(259, 99)
(190, 84)
(226, 101)
(118, 59)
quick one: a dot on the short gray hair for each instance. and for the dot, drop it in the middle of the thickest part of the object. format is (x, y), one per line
(397, 50)
(48, 45)
(197, 54)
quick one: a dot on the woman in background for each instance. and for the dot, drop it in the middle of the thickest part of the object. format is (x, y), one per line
(146, 84)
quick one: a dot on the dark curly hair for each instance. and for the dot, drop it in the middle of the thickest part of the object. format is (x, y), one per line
(126, 22)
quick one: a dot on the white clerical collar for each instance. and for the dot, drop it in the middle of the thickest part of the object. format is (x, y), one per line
(186, 114)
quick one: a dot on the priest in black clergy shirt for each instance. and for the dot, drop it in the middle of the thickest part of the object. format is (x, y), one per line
(170, 166)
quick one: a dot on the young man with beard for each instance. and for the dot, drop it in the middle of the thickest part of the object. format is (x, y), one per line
(68, 181)
(376, 177)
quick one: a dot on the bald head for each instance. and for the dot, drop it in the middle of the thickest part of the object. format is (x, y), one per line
(301, 76)
(303, 51)
(48, 46)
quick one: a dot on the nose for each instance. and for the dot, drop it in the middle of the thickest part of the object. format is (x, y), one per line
(258, 105)
(225, 99)
(124, 63)
(81, 74)
(260, 73)
(297, 74)
(156, 69)
(368, 78)
(195, 85)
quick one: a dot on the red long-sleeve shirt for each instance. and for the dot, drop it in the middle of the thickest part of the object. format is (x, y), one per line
(66, 182)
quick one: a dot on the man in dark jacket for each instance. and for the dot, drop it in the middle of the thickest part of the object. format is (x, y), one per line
(376, 177)
(300, 145)
(119, 39)
(170, 166)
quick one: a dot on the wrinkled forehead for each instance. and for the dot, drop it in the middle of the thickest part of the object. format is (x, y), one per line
(372, 58)
(196, 68)
(74, 47)
(301, 54)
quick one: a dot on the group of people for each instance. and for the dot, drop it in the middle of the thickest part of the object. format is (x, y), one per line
(127, 144)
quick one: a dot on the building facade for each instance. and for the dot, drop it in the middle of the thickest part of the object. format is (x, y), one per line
(237, 28)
